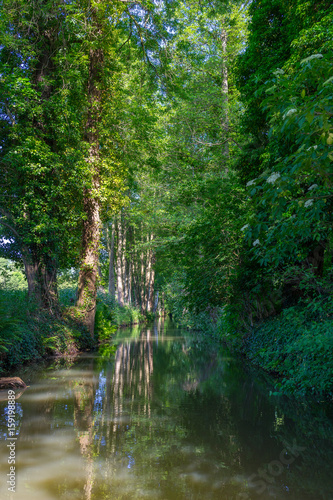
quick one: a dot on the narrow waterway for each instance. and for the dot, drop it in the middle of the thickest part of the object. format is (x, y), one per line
(156, 414)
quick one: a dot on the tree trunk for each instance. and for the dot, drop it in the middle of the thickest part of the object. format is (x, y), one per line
(112, 287)
(150, 276)
(42, 279)
(156, 302)
(87, 288)
(48, 284)
(124, 266)
(135, 286)
(130, 267)
(120, 287)
(31, 273)
(147, 276)
(151, 284)
(225, 93)
(142, 284)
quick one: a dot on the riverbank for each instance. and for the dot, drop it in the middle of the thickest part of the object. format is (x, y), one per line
(294, 347)
(29, 334)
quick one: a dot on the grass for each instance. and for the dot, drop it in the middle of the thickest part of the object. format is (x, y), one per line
(28, 334)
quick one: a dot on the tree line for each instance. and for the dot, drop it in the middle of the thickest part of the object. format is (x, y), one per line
(169, 150)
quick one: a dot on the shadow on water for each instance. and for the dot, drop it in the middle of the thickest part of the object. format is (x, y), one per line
(157, 415)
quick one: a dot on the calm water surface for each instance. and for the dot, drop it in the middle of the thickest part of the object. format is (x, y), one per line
(158, 415)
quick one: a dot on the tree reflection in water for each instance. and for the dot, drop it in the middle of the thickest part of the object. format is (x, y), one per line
(160, 415)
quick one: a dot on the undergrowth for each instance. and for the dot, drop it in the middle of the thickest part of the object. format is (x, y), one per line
(297, 348)
(28, 333)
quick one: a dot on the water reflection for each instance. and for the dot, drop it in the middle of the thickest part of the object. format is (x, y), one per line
(158, 415)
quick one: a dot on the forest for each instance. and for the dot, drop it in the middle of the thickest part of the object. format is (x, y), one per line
(169, 157)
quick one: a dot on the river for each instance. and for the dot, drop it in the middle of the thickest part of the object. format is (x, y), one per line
(158, 414)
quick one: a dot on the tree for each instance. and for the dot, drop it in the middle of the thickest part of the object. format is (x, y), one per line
(288, 118)
(105, 24)
(38, 146)
(294, 206)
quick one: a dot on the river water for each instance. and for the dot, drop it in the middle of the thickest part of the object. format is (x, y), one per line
(157, 414)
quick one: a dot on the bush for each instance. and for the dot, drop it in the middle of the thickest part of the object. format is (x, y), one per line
(115, 314)
(11, 276)
(104, 321)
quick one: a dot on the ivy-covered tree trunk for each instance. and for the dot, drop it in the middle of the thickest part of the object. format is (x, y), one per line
(88, 277)
(87, 288)
(225, 92)
(47, 278)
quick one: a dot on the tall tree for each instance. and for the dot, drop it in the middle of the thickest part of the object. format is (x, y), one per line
(283, 75)
(87, 288)
(39, 138)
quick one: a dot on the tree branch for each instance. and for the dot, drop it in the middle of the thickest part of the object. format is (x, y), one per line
(2, 223)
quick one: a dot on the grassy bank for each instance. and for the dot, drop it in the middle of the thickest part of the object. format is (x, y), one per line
(28, 334)
(297, 349)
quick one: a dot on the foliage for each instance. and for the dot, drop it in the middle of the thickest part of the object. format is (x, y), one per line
(295, 347)
(11, 276)
(104, 322)
(10, 329)
(27, 334)
(39, 135)
(110, 314)
(284, 78)
(210, 129)
(293, 203)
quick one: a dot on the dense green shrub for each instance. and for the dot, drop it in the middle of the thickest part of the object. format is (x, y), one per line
(110, 313)
(11, 276)
(104, 321)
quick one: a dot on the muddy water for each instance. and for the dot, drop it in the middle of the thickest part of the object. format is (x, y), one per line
(159, 415)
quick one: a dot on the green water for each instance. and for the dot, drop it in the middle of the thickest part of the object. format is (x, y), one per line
(159, 415)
